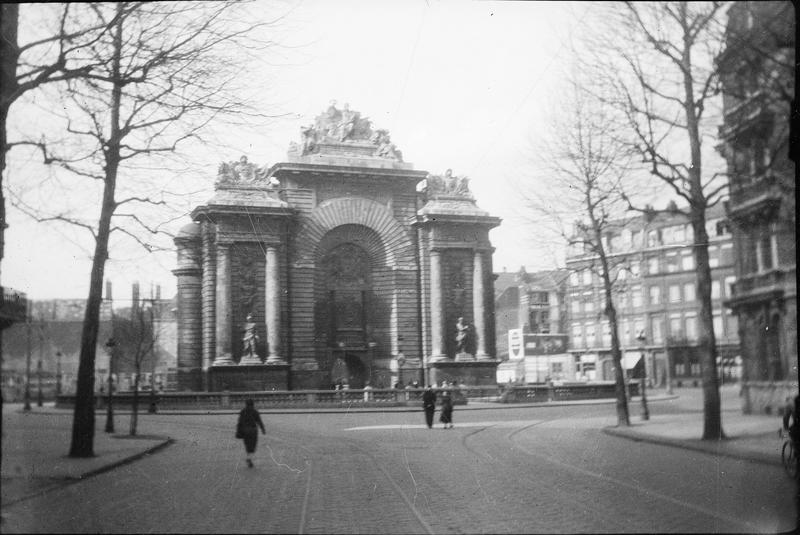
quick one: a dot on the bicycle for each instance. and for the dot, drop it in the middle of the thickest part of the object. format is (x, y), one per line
(788, 454)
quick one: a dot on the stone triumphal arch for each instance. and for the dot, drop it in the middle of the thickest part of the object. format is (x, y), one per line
(343, 263)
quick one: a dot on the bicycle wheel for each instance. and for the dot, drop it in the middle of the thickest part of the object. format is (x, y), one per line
(789, 459)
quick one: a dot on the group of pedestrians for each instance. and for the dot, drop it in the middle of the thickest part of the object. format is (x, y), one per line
(429, 406)
(249, 421)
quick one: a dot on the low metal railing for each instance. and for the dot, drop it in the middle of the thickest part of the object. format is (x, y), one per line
(328, 399)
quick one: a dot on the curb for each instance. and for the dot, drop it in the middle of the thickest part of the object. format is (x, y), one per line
(91, 473)
(711, 448)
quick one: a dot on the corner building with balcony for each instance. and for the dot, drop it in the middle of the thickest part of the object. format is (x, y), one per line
(655, 292)
(340, 266)
(758, 83)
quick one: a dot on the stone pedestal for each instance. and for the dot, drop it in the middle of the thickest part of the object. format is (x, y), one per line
(249, 378)
(250, 360)
(474, 373)
(464, 357)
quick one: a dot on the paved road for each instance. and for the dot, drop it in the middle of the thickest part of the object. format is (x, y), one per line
(499, 471)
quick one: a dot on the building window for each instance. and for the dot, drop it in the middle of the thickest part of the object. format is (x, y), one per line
(588, 302)
(719, 331)
(575, 305)
(657, 329)
(713, 256)
(588, 329)
(675, 327)
(655, 295)
(652, 238)
(687, 260)
(587, 277)
(729, 282)
(726, 254)
(577, 335)
(715, 289)
(672, 262)
(635, 268)
(688, 292)
(679, 234)
(668, 235)
(622, 273)
(606, 334)
(674, 293)
(638, 326)
(691, 326)
(652, 265)
(733, 325)
(574, 278)
(626, 330)
(636, 296)
(764, 251)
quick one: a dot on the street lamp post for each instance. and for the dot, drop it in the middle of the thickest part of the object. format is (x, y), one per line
(109, 409)
(58, 373)
(39, 396)
(27, 406)
(643, 381)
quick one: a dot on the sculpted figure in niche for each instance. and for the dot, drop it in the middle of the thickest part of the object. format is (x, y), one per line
(463, 336)
(250, 338)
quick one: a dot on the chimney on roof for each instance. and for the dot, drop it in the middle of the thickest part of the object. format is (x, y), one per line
(109, 296)
(158, 292)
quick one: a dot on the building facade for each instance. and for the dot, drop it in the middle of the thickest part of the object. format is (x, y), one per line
(655, 293)
(340, 266)
(758, 79)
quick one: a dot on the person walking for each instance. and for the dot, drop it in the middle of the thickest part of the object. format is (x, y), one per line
(429, 405)
(446, 416)
(247, 429)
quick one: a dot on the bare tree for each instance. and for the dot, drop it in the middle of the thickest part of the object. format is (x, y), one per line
(588, 167)
(155, 77)
(136, 339)
(44, 59)
(658, 72)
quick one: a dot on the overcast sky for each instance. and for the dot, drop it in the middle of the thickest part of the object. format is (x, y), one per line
(461, 85)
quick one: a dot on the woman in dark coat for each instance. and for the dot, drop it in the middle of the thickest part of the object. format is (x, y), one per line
(247, 427)
(446, 416)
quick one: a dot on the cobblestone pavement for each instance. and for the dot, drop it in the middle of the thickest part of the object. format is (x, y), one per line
(515, 470)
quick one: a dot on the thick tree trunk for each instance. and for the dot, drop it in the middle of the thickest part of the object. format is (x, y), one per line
(712, 421)
(9, 54)
(83, 420)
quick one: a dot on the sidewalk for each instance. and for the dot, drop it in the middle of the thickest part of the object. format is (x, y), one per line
(35, 445)
(748, 437)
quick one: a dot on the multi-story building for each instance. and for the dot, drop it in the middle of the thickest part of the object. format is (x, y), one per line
(530, 326)
(655, 293)
(530, 302)
(758, 80)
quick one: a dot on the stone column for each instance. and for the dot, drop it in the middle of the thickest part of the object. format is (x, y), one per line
(224, 312)
(478, 302)
(437, 308)
(272, 307)
(209, 299)
(189, 273)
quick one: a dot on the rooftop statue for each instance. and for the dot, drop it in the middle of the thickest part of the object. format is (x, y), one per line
(448, 184)
(344, 127)
(241, 172)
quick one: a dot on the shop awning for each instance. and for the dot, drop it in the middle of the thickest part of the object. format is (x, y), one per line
(629, 359)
